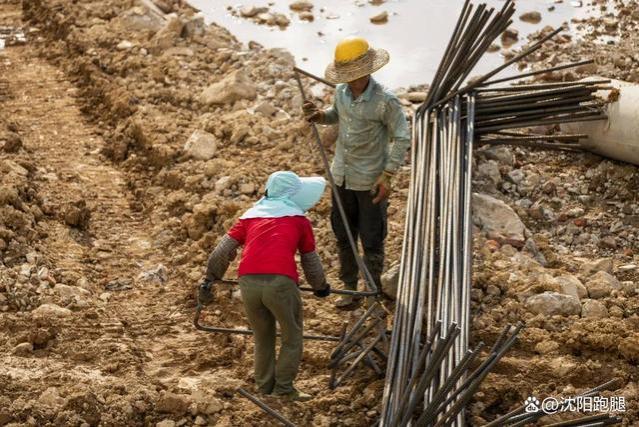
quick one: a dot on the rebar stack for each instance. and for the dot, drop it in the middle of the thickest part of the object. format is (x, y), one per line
(499, 109)
(429, 379)
(435, 267)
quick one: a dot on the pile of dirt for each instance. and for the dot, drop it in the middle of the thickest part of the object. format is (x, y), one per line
(198, 120)
(21, 212)
(185, 126)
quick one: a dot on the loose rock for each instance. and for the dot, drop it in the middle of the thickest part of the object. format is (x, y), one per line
(301, 5)
(602, 264)
(201, 145)
(594, 309)
(50, 311)
(509, 37)
(380, 18)
(173, 403)
(498, 220)
(553, 303)
(232, 88)
(570, 285)
(601, 284)
(390, 281)
(23, 349)
(531, 17)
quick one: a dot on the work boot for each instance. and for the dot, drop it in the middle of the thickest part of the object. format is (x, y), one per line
(348, 302)
(296, 396)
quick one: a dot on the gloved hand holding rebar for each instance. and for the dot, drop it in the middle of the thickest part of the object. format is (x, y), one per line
(383, 186)
(323, 293)
(205, 296)
(311, 112)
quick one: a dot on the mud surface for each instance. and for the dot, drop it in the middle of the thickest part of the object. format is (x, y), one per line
(109, 205)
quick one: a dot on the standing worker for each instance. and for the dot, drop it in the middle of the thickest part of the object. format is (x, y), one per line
(272, 231)
(371, 145)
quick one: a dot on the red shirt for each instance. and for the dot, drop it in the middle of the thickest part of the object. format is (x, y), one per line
(270, 244)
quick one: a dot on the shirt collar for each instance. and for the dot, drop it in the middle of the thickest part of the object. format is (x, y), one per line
(366, 95)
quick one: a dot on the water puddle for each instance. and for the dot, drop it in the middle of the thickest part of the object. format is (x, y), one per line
(416, 33)
(10, 36)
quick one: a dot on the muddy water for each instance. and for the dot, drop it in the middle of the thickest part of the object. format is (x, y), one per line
(415, 35)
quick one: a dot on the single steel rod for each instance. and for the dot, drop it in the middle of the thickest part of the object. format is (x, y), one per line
(234, 282)
(265, 408)
(544, 71)
(527, 87)
(238, 331)
(535, 144)
(581, 421)
(520, 137)
(314, 77)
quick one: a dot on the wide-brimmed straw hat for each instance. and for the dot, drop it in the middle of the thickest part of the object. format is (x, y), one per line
(354, 58)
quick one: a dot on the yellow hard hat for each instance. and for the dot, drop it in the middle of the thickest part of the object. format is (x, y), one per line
(354, 58)
(350, 48)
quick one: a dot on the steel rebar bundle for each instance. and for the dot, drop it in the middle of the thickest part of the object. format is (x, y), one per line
(429, 375)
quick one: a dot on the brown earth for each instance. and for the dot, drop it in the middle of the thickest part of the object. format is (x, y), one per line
(97, 188)
(105, 346)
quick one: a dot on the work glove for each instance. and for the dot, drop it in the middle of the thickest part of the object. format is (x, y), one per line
(205, 294)
(311, 112)
(383, 186)
(323, 293)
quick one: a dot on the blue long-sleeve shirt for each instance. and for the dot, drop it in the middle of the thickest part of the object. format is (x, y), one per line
(367, 125)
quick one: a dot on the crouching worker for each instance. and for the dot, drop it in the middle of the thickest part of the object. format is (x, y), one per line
(272, 231)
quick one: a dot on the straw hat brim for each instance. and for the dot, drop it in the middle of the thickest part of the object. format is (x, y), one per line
(372, 61)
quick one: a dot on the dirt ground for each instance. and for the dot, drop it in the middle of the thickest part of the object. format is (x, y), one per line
(107, 217)
(117, 349)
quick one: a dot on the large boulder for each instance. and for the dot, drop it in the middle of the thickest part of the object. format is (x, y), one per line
(602, 284)
(553, 303)
(233, 87)
(201, 145)
(498, 220)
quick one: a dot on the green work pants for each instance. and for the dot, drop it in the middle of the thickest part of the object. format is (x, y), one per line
(269, 298)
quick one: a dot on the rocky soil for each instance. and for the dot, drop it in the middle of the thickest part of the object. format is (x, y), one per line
(558, 245)
(131, 140)
(132, 136)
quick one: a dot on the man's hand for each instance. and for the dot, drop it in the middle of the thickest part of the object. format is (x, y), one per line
(311, 112)
(323, 293)
(382, 187)
(205, 296)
